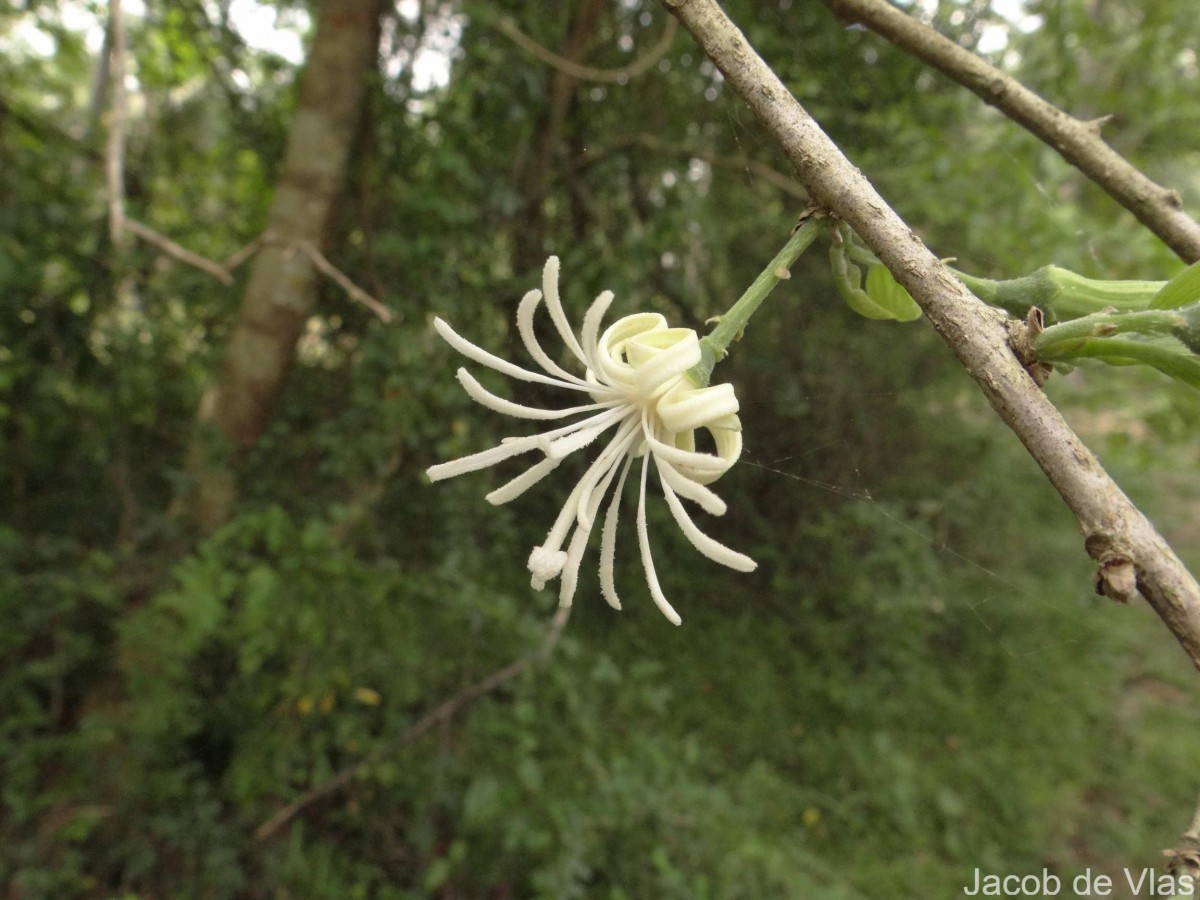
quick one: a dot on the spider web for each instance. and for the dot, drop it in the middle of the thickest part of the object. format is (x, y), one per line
(1063, 605)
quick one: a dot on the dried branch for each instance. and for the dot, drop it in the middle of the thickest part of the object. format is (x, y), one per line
(334, 274)
(223, 271)
(1158, 208)
(443, 712)
(235, 259)
(639, 66)
(114, 158)
(184, 255)
(1117, 535)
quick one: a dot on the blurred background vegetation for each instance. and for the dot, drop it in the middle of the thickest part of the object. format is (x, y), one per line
(916, 681)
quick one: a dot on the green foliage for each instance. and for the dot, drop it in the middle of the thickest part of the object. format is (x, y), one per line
(1184, 288)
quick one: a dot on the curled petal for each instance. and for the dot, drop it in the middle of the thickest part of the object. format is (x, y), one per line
(686, 487)
(729, 448)
(689, 462)
(591, 327)
(660, 358)
(713, 549)
(610, 351)
(525, 313)
(686, 409)
(554, 305)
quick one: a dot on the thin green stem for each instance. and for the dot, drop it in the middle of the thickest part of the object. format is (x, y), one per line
(1057, 341)
(731, 324)
(1177, 363)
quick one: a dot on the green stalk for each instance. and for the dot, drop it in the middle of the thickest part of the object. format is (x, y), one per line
(1059, 341)
(1061, 294)
(1177, 363)
(729, 328)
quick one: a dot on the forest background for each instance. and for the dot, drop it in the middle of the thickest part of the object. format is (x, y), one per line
(919, 679)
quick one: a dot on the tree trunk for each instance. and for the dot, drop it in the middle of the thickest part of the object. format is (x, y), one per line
(282, 285)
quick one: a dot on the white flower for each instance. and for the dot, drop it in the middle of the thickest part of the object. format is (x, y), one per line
(636, 381)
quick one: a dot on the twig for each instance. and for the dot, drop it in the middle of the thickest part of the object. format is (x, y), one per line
(223, 272)
(639, 66)
(443, 712)
(1117, 535)
(352, 290)
(653, 142)
(235, 259)
(114, 160)
(184, 255)
(1158, 208)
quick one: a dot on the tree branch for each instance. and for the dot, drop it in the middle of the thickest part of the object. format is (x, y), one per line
(1117, 535)
(639, 66)
(1079, 143)
(179, 252)
(326, 268)
(653, 142)
(223, 271)
(443, 712)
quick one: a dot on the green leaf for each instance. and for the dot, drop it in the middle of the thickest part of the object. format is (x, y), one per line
(883, 289)
(1180, 290)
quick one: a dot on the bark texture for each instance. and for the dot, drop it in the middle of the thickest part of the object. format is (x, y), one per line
(282, 285)
(1116, 533)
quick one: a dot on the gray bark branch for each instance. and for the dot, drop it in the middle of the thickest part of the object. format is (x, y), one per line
(1116, 533)
(1079, 143)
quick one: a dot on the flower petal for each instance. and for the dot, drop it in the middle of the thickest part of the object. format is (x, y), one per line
(481, 356)
(610, 351)
(713, 549)
(554, 305)
(660, 357)
(591, 326)
(525, 313)
(523, 482)
(476, 461)
(606, 463)
(660, 599)
(688, 461)
(484, 397)
(590, 499)
(608, 541)
(686, 487)
(686, 409)
(548, 558)
(729, 448)
(568, 444)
